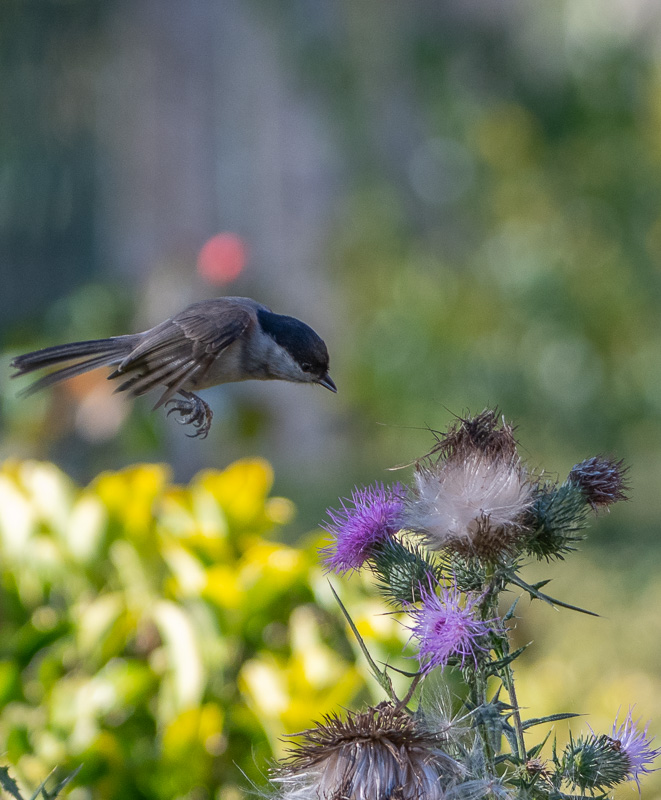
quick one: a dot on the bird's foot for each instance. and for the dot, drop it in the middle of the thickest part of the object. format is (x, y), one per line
(192, 411)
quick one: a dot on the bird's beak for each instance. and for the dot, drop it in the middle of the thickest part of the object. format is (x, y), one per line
(327, 381)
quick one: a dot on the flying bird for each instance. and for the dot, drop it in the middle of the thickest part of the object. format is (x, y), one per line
(209, 343)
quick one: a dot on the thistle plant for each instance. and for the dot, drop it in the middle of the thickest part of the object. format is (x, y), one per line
(9, 785)
(443, 552)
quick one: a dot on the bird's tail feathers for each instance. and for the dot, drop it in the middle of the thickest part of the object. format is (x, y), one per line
(103, 352)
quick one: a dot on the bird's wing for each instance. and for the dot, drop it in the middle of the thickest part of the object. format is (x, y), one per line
(214, 326)
(183, 348)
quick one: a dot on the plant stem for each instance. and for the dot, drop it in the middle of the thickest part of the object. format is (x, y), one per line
(507, 676)
(487, 611)
(508, 680)
(414, 683)
(480, 702)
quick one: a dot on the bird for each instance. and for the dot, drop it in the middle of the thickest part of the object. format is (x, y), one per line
(211, 342)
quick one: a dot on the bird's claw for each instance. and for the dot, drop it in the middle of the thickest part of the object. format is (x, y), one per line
(192, 411)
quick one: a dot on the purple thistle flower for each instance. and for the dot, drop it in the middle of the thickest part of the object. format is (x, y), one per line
(375, 518)
(447, 628)
(635, 745)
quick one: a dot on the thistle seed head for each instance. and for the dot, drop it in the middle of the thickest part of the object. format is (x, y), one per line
(474, 503)
(379, 753)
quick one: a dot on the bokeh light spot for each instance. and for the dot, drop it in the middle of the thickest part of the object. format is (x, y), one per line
(222, 258)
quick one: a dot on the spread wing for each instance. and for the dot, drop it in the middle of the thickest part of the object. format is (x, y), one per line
(183, 348)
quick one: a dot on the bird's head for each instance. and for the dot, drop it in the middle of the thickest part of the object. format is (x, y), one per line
(305, 357)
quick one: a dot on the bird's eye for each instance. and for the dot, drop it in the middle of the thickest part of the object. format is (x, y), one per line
(306, 366)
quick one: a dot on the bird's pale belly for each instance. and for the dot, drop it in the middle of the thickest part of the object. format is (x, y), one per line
(227, 368)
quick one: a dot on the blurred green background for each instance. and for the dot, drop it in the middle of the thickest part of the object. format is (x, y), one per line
(462, 197)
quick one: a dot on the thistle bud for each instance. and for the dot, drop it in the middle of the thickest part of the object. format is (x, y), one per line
(601, 762)
(556, 520)
(401, 569)
(595, 763)
(602, 480)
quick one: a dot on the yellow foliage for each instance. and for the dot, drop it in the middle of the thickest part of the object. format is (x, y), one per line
(191, 729)
(131, 494)
(160, 621)
(240, 490)
(223, 587)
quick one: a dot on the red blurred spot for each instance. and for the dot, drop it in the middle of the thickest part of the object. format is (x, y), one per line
(222, 258)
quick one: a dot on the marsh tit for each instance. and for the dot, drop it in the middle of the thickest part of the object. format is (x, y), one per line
(208, 343)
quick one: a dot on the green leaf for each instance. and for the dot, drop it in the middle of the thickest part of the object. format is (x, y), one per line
(41, 788)
(402, 671)
(381, 677)
(9, 784)
(510, 614)
(503, 662)
(551, 718)
(534, 592)
(510, 735)
(58, 787)
(537, 749)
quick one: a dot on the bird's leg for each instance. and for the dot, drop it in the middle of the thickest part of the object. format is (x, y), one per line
(192, 411)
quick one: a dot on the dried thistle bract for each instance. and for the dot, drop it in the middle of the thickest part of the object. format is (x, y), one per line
(602, 480)
(486, 432)
(382, 752)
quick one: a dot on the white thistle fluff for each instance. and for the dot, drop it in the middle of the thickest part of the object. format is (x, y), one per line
(367, 779)
(456, 498)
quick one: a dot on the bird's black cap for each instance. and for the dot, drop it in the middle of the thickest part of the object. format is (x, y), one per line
(305, 346)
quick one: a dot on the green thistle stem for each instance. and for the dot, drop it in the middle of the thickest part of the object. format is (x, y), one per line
(406, 699)
(508, 682)
(506, 673)
(478, 691)
(487, 611)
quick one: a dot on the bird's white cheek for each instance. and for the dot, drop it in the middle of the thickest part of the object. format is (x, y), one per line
(282, 366)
